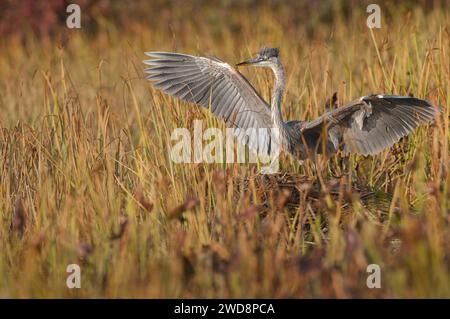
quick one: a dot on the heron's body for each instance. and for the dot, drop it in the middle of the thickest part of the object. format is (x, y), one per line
(365, 126)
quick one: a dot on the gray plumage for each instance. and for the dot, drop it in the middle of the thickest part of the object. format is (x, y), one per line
(365, 126)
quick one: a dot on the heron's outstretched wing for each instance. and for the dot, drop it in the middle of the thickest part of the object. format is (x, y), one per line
(370, 124)
(216, 85)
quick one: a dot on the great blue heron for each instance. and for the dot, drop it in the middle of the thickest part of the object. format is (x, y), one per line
(365, 126)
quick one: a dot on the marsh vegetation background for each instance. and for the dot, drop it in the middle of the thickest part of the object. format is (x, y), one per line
(85, 175)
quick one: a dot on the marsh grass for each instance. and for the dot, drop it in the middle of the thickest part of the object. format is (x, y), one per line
(86, 176)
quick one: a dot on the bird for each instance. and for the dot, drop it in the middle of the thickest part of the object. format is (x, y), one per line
(365, 126)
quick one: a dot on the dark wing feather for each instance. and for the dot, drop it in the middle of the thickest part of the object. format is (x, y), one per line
(368, 125)
(214, 84)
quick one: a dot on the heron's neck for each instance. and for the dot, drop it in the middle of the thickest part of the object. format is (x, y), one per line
(277, 95)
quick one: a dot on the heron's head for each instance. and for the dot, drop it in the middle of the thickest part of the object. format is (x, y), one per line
(265, 57)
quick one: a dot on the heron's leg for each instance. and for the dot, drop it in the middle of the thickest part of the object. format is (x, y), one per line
(273, 167)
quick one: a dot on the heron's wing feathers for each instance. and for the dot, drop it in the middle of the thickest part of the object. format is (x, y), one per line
(370, 124)
(217, 86)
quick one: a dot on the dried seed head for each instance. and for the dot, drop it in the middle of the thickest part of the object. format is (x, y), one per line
(18, 221)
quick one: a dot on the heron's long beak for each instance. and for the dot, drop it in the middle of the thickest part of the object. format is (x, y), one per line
(250, 61)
